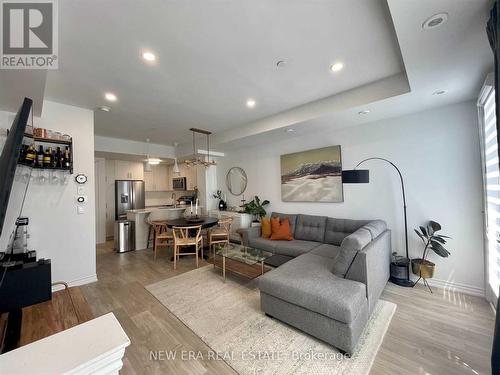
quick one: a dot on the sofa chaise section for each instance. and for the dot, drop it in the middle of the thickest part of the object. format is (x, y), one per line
(331, 287)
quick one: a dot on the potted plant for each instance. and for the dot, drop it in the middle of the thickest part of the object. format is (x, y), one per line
(222, 204)
(256, 208)
(432, 241)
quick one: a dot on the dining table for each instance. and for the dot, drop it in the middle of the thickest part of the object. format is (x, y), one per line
(204, 222)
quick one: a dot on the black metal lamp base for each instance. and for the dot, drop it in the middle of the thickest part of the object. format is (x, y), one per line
(403, 282)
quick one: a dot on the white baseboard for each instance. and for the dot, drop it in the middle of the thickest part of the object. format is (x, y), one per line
(456, 287)
(77, 282)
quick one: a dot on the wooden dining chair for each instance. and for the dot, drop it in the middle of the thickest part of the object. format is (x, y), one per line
(161, 235)
(187, 236)
(219, 234)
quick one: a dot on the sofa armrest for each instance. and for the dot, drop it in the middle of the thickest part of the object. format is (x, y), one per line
(247, 233)
(355, 242)
(371, 267)
(349, 247)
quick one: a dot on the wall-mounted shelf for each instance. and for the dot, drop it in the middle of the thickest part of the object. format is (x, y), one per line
(50, 141)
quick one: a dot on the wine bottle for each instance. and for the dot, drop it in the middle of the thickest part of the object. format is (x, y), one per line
(39, 157)
(30, 155)
(67, 158)
(59, 157)
(55, 159)
(62, 160)
(22, 154)
(47, 158)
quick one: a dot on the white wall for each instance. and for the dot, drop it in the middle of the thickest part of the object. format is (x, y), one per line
(438, 154)
(124, 146)
(57, 231)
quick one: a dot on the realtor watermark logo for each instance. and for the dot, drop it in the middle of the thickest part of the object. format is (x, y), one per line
(29, 37)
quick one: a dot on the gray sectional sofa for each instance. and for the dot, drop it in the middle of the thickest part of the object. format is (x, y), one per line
(330, 287)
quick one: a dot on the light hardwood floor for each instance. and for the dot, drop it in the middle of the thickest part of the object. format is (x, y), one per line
(443, 333)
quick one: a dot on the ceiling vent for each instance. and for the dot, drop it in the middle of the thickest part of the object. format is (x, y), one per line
(435, 21)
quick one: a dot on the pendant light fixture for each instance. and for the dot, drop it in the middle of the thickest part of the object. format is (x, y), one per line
(196, 160)
(176, 167)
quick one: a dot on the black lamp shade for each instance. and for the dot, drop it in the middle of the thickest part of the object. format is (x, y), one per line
(356, 176)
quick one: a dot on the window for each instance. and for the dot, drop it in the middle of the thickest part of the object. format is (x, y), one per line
(491, 178)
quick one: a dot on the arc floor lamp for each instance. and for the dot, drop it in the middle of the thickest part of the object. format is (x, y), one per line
(362, 176)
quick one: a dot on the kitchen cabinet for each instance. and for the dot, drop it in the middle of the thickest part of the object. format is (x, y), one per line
(190, 174)
(160, 177)
(157, 179)
(128, 170)
(149, 181)
(169, 172)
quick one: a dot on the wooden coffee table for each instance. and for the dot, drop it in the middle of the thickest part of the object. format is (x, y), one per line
(245, 255)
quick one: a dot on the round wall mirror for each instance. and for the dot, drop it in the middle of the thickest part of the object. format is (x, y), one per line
(236, 181)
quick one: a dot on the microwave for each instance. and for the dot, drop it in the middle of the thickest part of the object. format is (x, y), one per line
(179, 183)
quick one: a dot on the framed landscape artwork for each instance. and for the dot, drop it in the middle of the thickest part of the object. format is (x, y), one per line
(312, 176)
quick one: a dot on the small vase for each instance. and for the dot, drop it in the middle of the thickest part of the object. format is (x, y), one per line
(222, 205)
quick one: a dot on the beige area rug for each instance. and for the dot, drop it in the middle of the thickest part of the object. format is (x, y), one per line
(227, 317)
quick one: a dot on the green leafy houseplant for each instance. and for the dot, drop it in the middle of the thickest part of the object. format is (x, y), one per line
(218, 195)
(256, 208)
(432, 241)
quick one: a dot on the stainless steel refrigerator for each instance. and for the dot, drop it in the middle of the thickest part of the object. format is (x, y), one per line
(129, 195)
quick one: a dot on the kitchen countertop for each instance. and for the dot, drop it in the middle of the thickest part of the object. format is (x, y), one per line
(154, 208)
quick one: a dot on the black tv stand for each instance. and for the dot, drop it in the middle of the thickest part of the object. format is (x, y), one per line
(12, 335)
(24, 285)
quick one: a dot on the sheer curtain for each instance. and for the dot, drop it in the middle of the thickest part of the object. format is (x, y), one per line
(493, 31)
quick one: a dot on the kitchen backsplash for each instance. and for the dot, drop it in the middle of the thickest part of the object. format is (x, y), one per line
(156, 198)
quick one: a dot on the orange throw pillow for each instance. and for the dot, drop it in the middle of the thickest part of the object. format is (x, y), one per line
(265, 227)
(280, 231)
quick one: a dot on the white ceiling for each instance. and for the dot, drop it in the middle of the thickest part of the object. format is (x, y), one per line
(15, 85)
(213, 55)
(455, 57)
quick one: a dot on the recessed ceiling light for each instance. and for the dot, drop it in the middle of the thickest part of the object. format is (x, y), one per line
(290, 130)
(337, 67)
(435, 21)
(104, 108)
(439, 92)
(364, 112)
(153, 161)
(111, 97)
(251, 103)
(149, 56)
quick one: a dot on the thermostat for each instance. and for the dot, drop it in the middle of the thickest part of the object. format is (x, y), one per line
(81, 178)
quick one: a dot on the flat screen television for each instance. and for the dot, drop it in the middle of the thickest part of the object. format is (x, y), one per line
(22, 283)
(10, 155)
